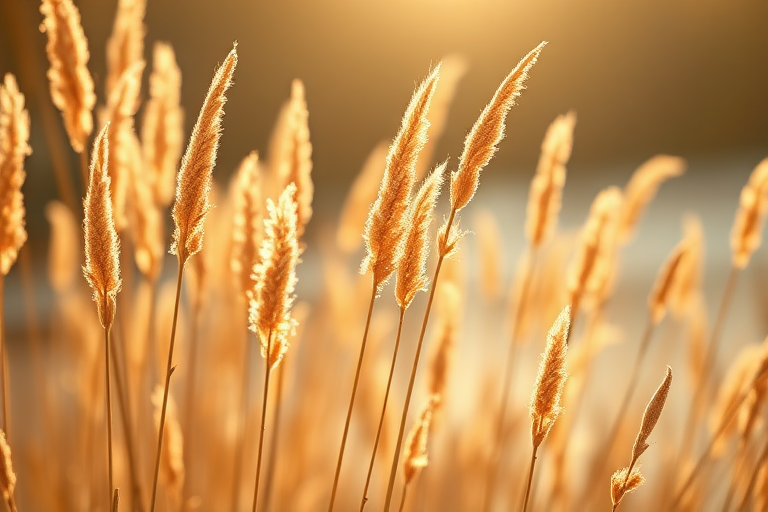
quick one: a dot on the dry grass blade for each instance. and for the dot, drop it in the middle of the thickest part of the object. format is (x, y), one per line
(642, 188)
(651, 415)
(14, 135)
(411, 277)
(247, 228)
(125, 47)
(753, 206)
(482, 140)
(194, 179)
(70, 81)
(102, 245)
(121, 107)
(386, 226)
(275, 277)
(545, 196)
(162, 129)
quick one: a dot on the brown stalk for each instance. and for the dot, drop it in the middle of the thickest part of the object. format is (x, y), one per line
(479, 147)
(385, 229)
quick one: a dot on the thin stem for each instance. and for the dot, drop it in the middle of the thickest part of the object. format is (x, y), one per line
(602, 459)
(530, 477)
(263, 418)
(245, 400)
(190, 388)
(709, 360)
(3, 358)
(624, 483)
(402, 498)
(383, 409)
(352, 400)
(109, 411)
(125, 414)
(168, 371)
(506, 390)
(395, 459)
(275, 442)
(760, 461)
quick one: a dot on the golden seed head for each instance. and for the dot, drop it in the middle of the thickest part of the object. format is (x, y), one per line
(102, 245)
(545, 197)
(193, 183)
(746, 234)
(618, 486)
(125, 46)
(247, 222)
(550, 381)
(386, 226)
(415, 451)
(14, 147)
(275, 277)
(651, 415)
(7, 475)
(481, 142)
(70, 81)
(665, 282)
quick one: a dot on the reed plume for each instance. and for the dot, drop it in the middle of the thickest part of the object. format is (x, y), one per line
(14, 147)
(121, 106)
(102, 259)
(7, 475)
(163, 123)
(666, 282)
(632, 479)
(194, 179)
(146, 218)
(125, 46)
(411, 279)
(641, 189)
(386, 226)
(64, 265)
(70, 81)
(748, 226)
(385, 229)
(479, 147)
(415, 451)
(683, 297)
(544, 407)
(545, 196)
(247, 229)
(192, 205)
(272, 297)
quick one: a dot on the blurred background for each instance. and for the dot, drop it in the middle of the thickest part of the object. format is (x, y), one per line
(679, 77)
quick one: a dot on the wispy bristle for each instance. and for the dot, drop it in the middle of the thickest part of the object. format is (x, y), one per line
(386, 227)
(651, 415)
(163, 123)
(102, 245)
(487, 132)
(194, 179)
(411, 274)
(642, 188)
(619, 489)
(746, 234)
(545, 196)
(14, 147)
(275, 278)
(70, 81)
(545, 405)
(125, 46)
(247, 222)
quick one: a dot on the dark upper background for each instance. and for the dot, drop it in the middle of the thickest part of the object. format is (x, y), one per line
(687, 77)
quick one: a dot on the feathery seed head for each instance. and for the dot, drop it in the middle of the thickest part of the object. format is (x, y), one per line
(746, 233)
(125, 46)
(686, 287)
(275, 277)
(415, 451)
(386, 226)
(481, 142)
(7, 475)
(545, 197)
(550, 380)
(247, 222)
(14, 147)
(618, 486)
(665, 282)
(411, 274)
(651, 415)
(296, 165)
(70, 81)
(194, 179)
(102, 245)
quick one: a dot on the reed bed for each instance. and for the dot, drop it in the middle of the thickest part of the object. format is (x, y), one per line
(319, 421)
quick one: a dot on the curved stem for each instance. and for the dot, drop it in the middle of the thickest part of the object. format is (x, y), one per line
(383, 409)
(109, 412)
(245, 398)
(506, 390)
(352, 400)
(396, 458)
(530, 477)
(263, 418)
(402, 498)
(168, 371)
